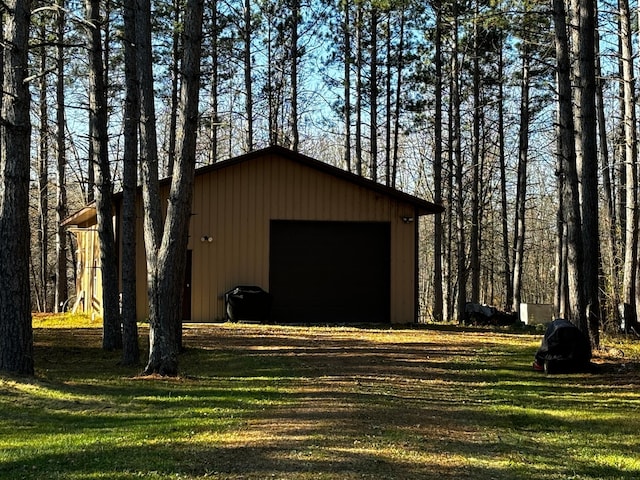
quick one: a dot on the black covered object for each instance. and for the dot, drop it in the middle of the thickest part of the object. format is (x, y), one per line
(564, 348)
(249, 303)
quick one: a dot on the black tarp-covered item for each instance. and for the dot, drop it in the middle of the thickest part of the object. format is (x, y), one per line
(247, 303)
(564, 348)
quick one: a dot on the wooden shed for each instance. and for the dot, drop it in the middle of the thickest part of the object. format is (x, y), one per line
(88, 296)
(328, 245)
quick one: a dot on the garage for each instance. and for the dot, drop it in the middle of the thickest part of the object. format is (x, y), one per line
(330, 271)
(328, 245)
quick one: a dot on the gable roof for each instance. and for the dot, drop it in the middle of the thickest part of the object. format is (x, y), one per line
(423, 207)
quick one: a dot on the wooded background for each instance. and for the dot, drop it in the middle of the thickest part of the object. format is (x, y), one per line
(518, 117)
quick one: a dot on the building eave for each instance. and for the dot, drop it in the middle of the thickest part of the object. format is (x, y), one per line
(81, 217)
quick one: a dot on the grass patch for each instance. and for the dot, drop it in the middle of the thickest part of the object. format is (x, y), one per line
(258, 402)
(65, 320)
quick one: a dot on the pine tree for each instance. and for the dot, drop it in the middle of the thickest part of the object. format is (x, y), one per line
(16, 335)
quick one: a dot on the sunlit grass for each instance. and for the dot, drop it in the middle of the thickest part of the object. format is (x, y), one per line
(65, 320)
(263, 402)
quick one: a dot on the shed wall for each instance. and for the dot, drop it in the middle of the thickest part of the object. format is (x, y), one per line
(88, 275)
(234, 206)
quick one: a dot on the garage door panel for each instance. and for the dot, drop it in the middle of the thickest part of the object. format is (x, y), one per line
(330, 271)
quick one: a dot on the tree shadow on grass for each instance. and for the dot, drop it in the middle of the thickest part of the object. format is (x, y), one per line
(257, 403)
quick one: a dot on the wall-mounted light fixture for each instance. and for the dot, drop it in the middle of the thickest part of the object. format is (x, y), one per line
(407, 219)
(206, 238)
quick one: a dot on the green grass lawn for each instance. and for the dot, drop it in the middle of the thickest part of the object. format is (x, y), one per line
(267, 402)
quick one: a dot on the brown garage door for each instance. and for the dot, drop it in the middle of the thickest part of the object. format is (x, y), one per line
(329, 272)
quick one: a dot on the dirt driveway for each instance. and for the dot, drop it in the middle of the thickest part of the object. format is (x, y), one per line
(384, 404)
(257, 402)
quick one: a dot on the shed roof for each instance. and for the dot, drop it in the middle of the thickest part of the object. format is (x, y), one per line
(80, 217)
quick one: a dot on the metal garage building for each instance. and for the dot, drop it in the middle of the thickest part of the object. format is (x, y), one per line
(329, 246)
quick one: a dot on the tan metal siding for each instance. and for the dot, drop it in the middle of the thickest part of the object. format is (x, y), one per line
(234, 205)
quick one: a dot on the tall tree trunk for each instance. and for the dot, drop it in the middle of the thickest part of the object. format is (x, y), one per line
(588, 170)
(130, 346)
(175, 86)
(295, 57)
(387, 97)
(448, 268)
(630, 269)
(173, 249)
(90, 194)
(619, 149)
(560, 301)
(112, 334)
(152, 219)
(248, 70)
(347, 83)
(62, 289)
(105, 21)
(272, 104)
(43, 177)
(456, 150)
(504, 212)
(359, 89)
(437, 307)
(568, 172)
(607, 174)
(2, 60)
(399, 86)
(148, 134)
(521, 189)
(373, 101)
(215, 79)
(16, 334)
(474, 237)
